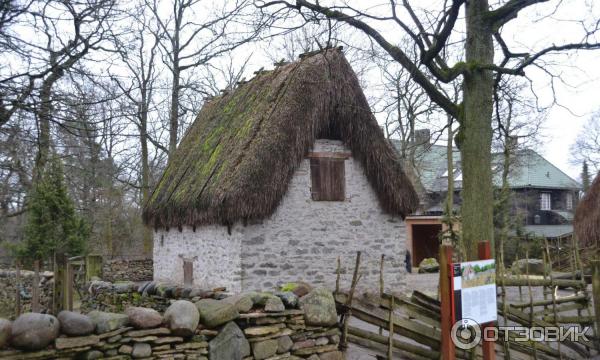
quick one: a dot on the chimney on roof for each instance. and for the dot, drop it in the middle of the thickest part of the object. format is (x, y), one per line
(422, 136)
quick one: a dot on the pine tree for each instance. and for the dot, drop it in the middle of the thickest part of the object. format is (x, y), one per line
(585, 177)
(52, 226)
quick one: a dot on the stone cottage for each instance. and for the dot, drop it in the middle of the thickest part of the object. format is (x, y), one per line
(279, 177)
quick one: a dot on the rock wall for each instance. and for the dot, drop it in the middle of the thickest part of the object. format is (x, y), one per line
(300, 241)
(244, 326)
(8, 291)
(127, 270)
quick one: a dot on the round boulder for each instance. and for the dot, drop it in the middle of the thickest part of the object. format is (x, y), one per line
(75, 324)
(143, 318)
(34, 331)
(319, 308)
(5, 331)
(182, 317)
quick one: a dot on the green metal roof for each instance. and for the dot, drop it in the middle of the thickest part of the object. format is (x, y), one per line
(529, 170)
(549, 231)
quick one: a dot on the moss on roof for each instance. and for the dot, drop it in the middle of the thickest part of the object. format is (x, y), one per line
(237, 158)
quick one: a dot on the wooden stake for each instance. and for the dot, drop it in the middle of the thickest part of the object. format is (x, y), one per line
(596, 293)
(381, 285)
(18, 294)
(355, 278)
(447, 350)
(338, 272)
(391, 328)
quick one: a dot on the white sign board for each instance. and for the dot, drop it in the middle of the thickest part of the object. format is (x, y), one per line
(474, 295)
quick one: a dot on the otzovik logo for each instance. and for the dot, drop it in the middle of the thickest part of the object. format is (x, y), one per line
(467, 334)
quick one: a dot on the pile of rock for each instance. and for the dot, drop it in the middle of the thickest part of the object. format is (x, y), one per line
(8, 290)
(244, 326)
(117, 296)
(127, 269)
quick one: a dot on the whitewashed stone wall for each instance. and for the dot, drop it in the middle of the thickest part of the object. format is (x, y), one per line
(300, 241)
(218, 261)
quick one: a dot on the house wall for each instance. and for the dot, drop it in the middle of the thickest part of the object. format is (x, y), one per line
(527, 203)
(300, 241)
(215, 255)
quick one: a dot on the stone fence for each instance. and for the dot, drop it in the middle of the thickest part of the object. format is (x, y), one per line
(288, 325)
(8, 291)
(127, 269)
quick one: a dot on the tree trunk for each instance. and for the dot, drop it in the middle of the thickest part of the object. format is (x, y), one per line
(476, 132)
(147, 234)
(173, 116)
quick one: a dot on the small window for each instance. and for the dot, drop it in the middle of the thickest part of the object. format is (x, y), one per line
(569, 201)
(545, 201)
(328, 179)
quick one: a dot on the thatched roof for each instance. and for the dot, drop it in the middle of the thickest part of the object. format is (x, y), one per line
(587, 216)
(237, 158)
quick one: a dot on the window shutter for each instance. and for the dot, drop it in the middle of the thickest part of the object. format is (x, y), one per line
(328, 179)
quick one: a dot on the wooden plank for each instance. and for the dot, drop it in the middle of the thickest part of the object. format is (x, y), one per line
(315, 179)
(188, 272)
(93, 267)
(418, 350)
(60, 283)
(330, 155)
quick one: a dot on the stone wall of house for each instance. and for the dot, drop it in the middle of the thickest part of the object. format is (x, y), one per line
(216, 255)
(127, 270)
(300, 241)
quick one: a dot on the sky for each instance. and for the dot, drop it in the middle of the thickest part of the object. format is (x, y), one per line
(571, 96)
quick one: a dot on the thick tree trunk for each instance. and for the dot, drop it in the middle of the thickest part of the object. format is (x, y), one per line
(476, 132)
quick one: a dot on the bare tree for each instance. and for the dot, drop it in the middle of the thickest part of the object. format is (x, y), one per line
(69, 31)
(587, 145)
(189, 39)
(430, 34)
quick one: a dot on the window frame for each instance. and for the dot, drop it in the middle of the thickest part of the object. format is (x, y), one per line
(569, 201)
(543, 197)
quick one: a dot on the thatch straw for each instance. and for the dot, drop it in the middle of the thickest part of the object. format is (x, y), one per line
(236, 160)
(587, 217)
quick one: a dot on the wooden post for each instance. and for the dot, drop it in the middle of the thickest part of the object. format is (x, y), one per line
(93, 267)
(596, 292)
(18, 294)
(355, 278)
(60, 283)
(338, 272)
(447, 350)
(69, 288)
(488, 347)
(188, 272)
(391, 329)
(35, 288)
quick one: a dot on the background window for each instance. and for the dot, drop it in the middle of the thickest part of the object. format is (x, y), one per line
(569, 201)
(328, 180)
(545, 203)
